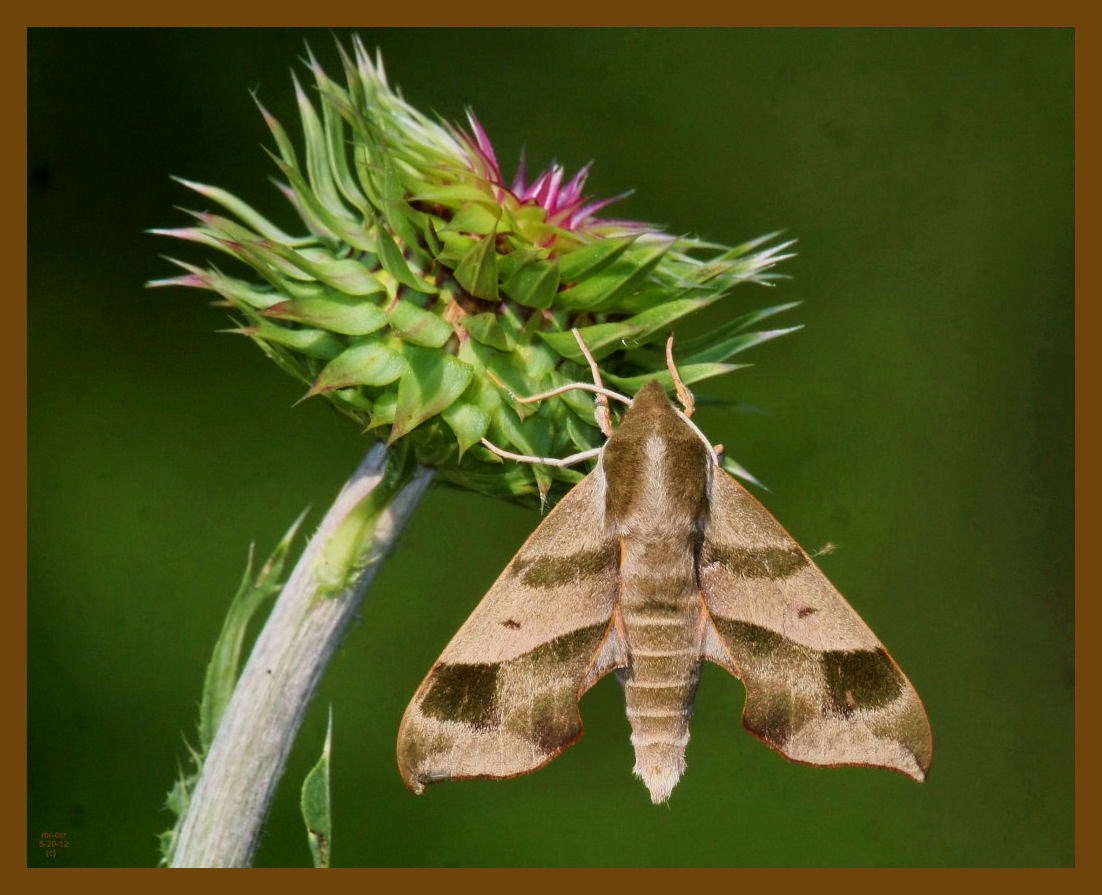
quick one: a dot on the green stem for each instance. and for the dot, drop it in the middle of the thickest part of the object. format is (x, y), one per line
(323, 593)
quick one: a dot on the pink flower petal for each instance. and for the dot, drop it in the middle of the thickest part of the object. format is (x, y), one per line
(565, 205)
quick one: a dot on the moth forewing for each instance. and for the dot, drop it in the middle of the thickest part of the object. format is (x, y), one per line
(502, 698)
(656, 561)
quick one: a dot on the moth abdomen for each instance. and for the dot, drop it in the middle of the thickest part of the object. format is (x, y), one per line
(661, 614)
(659, 697)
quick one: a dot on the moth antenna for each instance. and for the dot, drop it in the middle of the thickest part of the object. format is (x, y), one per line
(686, 398)
(576, 386)
(496, 380)
(599, 390)
(683, 394)
(543, 461)
(601, 412)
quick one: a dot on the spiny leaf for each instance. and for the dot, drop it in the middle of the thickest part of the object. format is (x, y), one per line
(689, 373)
(599, 290)
(391, 257)
(331, 222)
(531, 436)
(431, 382)
(590, 258)
(368, 363)
(346, 274)
(283, 142)
(310, 342)
(741, 472)
(398, 214)
(475, 218)
(731, 327)
(598, 338)
(732, 345)
(469, 422)
(477, 272)
(317, 166)
(488, 330)
(249, 215)
(335, 312)
(534, 285)
(336, 150)
(225, 662)
(453, 195)
(314, 801)
(421, 327)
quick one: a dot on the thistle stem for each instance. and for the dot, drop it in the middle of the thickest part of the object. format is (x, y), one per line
(323, 593)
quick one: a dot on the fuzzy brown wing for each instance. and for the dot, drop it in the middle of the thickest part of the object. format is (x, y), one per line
(503, 698)
(820, 687)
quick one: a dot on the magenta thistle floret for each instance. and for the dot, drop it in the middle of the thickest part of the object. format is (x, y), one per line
(566, 205)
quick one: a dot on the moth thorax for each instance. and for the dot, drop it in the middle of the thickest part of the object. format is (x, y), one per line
(656, 482)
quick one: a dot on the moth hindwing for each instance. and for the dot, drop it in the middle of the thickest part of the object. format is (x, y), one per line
(654, 562)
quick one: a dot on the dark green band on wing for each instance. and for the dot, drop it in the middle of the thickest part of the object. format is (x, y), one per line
(573, 650)
(463, 692)
(551, 571)
(551, 678)
(550, 675)
(764, 562)
(553, 721)
(769, 662)
(748, 640)
(860, 679)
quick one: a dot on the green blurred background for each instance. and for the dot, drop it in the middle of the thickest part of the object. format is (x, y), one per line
(922, 420)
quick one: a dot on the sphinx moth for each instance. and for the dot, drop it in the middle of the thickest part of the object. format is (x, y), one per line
(654, 562)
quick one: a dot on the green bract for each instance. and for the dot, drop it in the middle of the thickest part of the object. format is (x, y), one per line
(426, 289)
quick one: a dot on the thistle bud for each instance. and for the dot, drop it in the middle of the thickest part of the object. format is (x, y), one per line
(427, 293)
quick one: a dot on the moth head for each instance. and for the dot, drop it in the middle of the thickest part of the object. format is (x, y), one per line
(652, 412)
